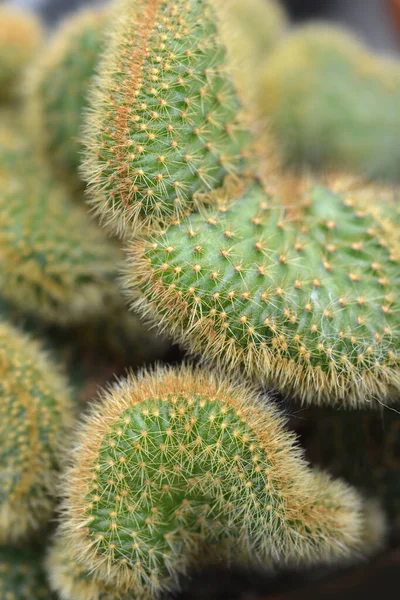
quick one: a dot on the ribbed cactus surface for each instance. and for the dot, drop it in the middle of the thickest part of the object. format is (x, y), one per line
(175, 466)
(35, 412)
(303, 296)
(164, 124)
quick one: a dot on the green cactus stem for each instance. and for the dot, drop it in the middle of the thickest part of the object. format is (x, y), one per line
(299, 292)
(35, 413)
(175, 466)
(165, 121)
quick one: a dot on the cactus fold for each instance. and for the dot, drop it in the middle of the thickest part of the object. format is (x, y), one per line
(20, 39)
(174, 466)
(54, 262)
(35, 412)
(21, 574)
(330, 103)
(165, 120)
(303, 297)
(58, 88)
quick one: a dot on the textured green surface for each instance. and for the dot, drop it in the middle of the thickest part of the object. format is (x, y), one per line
(307, 301)
(164, 121)
(35, 411)
(329, 102)
(364, 448)
(60, 83)
(176, 469)
(21, 574)
(54, 262)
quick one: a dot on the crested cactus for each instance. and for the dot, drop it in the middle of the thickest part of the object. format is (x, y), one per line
(165, 122)
(175, 466)
(20, 39)
(35, 412)
(21, 574)
(58, 87)
(372, 442)
(302, 293)
(330, 103)
(54, 262)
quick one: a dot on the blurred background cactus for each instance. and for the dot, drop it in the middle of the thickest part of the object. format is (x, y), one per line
(58, 89)
(233, 152)
(331, 103)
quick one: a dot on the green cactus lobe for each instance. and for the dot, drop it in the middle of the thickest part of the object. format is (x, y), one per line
(176, 468)
(165, 122)
(35, 411)
(308, 303)
(187, 486)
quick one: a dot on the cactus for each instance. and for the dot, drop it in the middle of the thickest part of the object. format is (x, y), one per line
(372, 442)
(58, 87)
(71, 581)
(178, 465)
(257, 27)
(35, 412)
(303, 296)
(21, 574)
(54, 262)
(20, 39)
(330, 103)
(165, 121)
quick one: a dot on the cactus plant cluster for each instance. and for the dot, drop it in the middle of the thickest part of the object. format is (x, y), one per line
(274, 280)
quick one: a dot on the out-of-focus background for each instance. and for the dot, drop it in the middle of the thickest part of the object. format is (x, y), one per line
(373, 20)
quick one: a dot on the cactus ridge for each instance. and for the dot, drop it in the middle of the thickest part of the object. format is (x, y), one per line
(175, 461)
(304, 297)
(54, 262)
(58, 90)
(164, 124)
(21, 574)
(35, 411)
